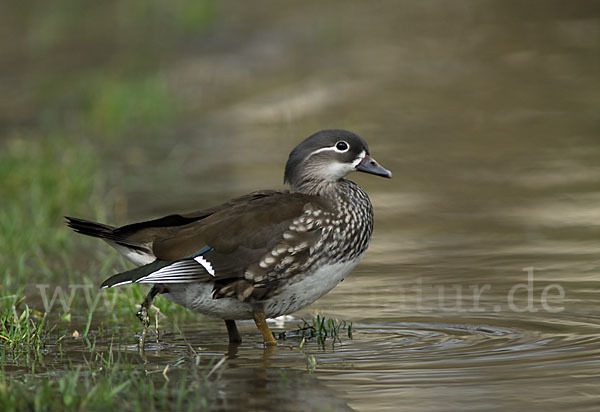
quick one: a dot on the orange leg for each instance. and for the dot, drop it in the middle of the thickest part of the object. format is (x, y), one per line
(261, 324)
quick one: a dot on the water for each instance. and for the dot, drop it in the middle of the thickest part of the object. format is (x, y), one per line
(480, 288)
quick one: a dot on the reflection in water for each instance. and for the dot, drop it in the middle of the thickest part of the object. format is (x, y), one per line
(487, 114)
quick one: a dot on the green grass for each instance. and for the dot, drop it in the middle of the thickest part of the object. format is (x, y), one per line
(108, 381)
(323, 329)
(53, 163)
(41, 177)
(21, 329)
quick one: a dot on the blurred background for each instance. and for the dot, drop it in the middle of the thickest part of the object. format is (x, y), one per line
(485, 111)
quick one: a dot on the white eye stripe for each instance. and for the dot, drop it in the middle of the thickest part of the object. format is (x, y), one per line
(330, 149)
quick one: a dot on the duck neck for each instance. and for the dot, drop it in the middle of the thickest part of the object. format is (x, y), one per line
(315, 187)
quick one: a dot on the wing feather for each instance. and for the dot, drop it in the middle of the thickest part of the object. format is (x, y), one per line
(226, 244)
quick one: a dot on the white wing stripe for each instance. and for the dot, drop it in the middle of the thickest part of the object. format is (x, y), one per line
(158, 279)
(200, 259)
(170, 280)
(180, 272)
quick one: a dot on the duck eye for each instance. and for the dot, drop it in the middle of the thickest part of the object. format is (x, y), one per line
(342, 146)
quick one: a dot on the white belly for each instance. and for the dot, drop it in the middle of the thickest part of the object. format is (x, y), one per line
(198, 296)
(300, 294)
